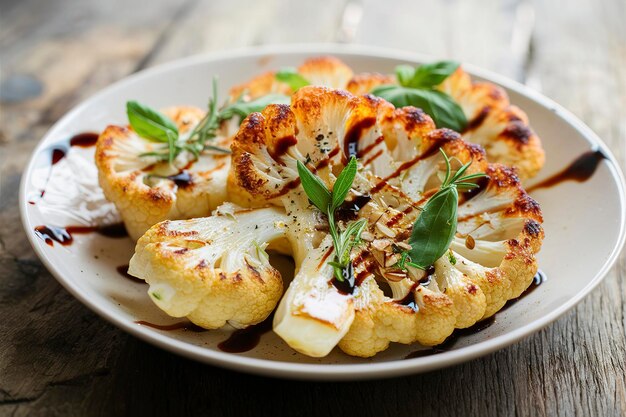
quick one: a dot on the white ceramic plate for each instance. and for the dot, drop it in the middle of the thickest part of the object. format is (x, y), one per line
(584, 222)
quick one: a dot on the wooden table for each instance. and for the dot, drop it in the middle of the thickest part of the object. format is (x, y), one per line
(59, 358)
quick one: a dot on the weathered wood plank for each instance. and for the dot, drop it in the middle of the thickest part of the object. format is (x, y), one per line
(53, 350)
(69, 49)
(578, 59)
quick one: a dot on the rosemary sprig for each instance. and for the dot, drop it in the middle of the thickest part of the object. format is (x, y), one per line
(155, 126)
(435, 227)
(328, 202)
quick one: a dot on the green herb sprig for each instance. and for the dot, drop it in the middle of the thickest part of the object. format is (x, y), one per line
(417, 88)
(290, 76)
(152, 125)
(155, 126)
(435, 227)
(328, 202)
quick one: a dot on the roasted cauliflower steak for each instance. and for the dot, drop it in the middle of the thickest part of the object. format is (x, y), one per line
(491, 260)
(501, 128)
(146, 191)
(213, 270)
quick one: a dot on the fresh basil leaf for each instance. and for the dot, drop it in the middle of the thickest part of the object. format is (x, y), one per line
(386, 91)
(440, 106)
(404, 74)
(291, 77)
(149, 123)
(435, 227)
(344, 183)
(433, 74)
(244, 108)
(314, 188)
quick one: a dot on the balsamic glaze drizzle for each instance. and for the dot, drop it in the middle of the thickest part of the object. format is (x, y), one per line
(241, 340)
(59, 151)
(64, 235)
(244, 340)
(349, 209)
(176, 326)
(580, 170)
(123, 271)
(183, 179)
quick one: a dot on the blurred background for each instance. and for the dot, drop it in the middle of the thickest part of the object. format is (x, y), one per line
(53, 53)
(56, 53)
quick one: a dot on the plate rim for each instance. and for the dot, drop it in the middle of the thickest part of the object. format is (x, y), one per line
(293, 370)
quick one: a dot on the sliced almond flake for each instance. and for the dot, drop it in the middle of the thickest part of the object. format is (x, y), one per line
(403, 245)
(470, 243)
(395, 276)
(385, 230)
(379, 256)
(381, 244)
(486, 216)
(392, 259)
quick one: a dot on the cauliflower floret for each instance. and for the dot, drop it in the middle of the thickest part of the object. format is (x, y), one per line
(398, 151)
(492, 260)
(146, 192)
(313, 316)
(214, 270)
(501, 128)
(326, 71)
(364, 82)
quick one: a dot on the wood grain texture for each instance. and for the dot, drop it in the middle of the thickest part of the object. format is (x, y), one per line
(58, 358)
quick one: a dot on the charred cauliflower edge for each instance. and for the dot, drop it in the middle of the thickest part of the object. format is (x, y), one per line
(139, 186)
(501, 128)
(491, 259)
(399, 172)
(146, 191)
